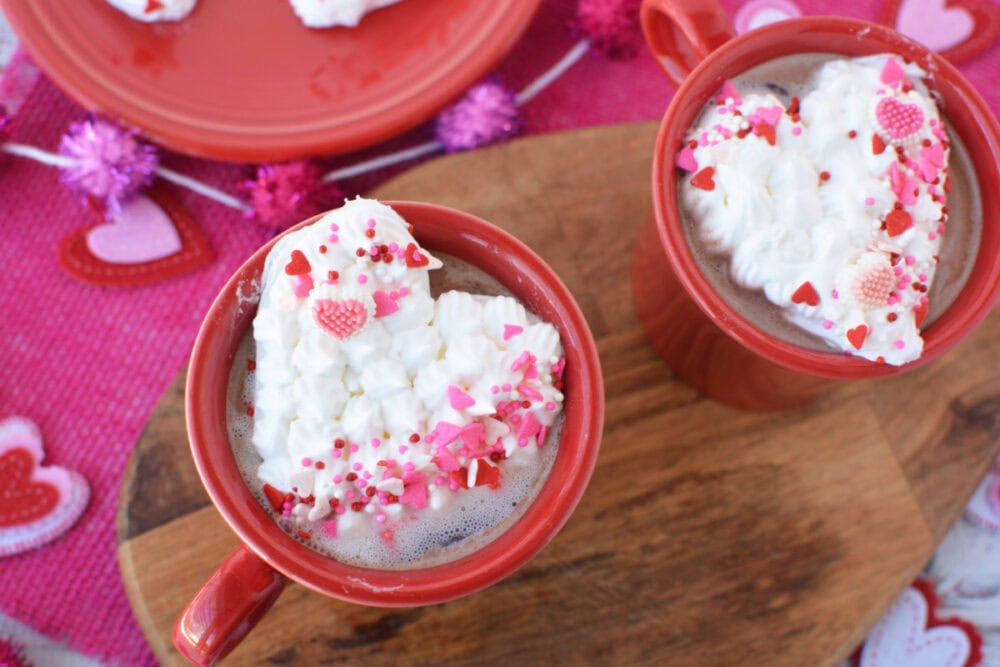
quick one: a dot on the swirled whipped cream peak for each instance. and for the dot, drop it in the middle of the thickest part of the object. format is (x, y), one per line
(154, 10)
(312, 13)
(832, 202)
(376, 404)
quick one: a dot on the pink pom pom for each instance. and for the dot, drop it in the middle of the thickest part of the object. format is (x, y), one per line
(5, 122)
(486, 114)
(12, 655)
(110, 163)
(611, 25)
(282, 195)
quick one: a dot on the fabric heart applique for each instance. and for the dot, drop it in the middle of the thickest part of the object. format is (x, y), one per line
(910, 634)
(957, 29)
(830, 199)
(37, 503)
(151, 239)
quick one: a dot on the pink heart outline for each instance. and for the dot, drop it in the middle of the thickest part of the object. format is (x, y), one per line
(141, 232)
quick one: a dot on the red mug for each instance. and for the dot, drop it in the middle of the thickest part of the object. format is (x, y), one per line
(247, 584)
(704, 339)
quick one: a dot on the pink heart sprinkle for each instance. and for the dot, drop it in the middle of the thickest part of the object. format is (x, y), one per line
(510, 330)
(341, 319)
(899, 120)
(458, 398)
(686, 161)
(892, 73)
(384, 304)
(770, 115)
(140, 232)
(729, 91)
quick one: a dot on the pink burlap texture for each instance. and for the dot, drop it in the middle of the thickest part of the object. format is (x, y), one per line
(88, 364)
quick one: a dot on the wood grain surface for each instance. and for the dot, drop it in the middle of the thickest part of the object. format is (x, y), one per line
(707, 534)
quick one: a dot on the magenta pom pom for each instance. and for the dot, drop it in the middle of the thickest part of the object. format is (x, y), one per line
(12, 655)
(284, 194)
(4, 124)
(486, 114)
(110, 163)
(612, 26)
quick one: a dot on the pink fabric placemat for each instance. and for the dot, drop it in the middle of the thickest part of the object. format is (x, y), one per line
(88, 364)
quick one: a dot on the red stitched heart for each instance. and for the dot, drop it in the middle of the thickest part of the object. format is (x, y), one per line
(857, 335)
(298, 265)
(806, 294)
(76, 258)
(21, 500)
(897, 119)
(704, 179)
(341, 319)
(414, 258)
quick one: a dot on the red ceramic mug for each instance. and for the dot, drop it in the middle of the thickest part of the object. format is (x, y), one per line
(249, 582)
(704, 339)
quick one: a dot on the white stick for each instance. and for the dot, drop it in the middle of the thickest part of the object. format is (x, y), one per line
(541, 83)
(37, 154)
(202, 189)
(383, 161)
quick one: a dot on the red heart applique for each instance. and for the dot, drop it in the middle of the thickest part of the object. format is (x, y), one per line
(912, 634)
(897, 222)
(957, 29)
(37, 503)
(22, 500)
(704, 179)
(414, 258)
(857, 335)
(298, 265)
(806, 294)
(340, 318)
(122, 260)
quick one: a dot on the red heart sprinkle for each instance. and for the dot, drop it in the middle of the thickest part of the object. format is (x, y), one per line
(920, 314)
(857, 335)
(806, 294)
(414, 258)
(275, 498)
(766, 131)
(897, 222)
(341, 319)
(21, 500)
(298, 265)
(487, 475)
(153, 5)
(878, 146)
(704, 179)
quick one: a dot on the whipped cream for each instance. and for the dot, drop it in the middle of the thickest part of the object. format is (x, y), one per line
(833, 204)
(328, 13)
(374, 403)
(155, 10)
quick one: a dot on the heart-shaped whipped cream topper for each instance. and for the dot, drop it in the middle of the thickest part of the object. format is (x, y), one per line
(832, 201)
(374, 399)
(911, 634)
(37, 503)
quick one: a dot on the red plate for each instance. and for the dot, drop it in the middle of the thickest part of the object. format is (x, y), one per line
(244, 80)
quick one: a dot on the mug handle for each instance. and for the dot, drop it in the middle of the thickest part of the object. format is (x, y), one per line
(227, 607)
(681, 33)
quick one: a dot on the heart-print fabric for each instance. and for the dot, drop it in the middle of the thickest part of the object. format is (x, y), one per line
(375, 402)
(830, 199)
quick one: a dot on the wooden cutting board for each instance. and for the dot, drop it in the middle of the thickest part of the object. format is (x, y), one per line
(707, 534)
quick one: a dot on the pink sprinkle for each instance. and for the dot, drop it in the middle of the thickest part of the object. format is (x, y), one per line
(380, 517)
(374, 252)
(350, 495)
(923, 300)
(796, 130)
(360, 483)
(303, 285)
(892, 73)
(340, 509)
(932, 236)
(403, 291)
(355, 447)
(891, 300)
(329, 528)
(333, 238)
(511, 330)
(899, 345)
(940, 229)
(506, 386)
(494, 389)
(403, 449)
(729, 92)
(458, 398)
(521, 361)
(827, 324)
(835, 294)
(898, 270)
(393, 247)
(910, 259)
(337, 454)
(409, 467)
(337, 479)
(550, 406)
(306, 462)
(529, 392)
(362, 279)
(376, 442)
(440, 481)
(334, 227)
(356, 467)
(542, 434)
(922, 277)
(453, 485)
(686, 159)
(869, 201)
(371, 223)
(366, 475)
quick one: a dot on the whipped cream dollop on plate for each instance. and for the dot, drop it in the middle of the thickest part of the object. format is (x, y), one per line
(832, 204)
(374, 401)
(313, 13)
